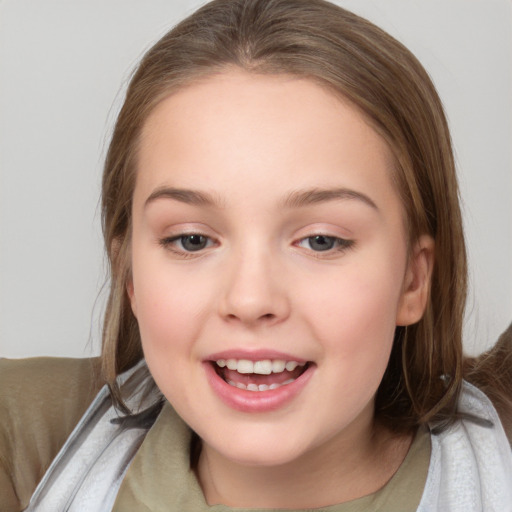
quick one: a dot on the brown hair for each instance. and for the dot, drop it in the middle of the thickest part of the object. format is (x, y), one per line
(492, 373)
(359, 61)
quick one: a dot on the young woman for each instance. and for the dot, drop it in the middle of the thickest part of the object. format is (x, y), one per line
(288, 280)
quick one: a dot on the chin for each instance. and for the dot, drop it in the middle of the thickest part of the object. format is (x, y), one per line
(260, 451)
(257, 459)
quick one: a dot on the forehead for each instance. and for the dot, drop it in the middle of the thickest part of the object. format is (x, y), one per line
(271, 128)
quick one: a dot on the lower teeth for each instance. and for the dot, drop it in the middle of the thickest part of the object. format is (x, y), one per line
(256, 387)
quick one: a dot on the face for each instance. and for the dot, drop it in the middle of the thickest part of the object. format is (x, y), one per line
(270, 264)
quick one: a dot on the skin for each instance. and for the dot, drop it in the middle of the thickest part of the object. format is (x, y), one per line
(250, 143)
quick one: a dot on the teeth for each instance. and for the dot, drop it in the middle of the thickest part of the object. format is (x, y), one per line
(263, 367)
(255, 387)
(278, 366)
(231, 364)
(245, 366)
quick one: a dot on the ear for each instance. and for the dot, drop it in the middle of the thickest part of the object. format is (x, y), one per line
(416, 287)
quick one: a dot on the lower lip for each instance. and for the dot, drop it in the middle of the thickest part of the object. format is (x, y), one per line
(256, 401)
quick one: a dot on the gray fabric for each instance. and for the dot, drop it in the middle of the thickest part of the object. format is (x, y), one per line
(471, 463)
(88, 471)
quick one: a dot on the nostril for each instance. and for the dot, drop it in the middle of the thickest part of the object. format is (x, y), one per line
(265, 317)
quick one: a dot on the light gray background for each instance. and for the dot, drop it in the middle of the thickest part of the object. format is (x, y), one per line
(61, 66)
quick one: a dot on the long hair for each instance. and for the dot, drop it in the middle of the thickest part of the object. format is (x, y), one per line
(358, 61)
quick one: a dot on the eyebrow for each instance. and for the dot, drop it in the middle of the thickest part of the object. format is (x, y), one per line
(300, 198)
(193, 197)
(296, 199)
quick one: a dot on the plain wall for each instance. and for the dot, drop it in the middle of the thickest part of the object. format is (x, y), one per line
(63, 68)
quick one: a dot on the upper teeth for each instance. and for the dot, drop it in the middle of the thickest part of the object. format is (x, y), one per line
(263, 367)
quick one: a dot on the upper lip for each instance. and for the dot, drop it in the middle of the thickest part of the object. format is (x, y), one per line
(254, 355)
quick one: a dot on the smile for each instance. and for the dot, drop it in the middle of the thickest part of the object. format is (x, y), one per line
(257, 384)
(264, 367)
(261, 375)
(258, 376)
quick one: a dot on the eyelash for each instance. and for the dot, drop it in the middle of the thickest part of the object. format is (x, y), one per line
(338, 244)
(170, 244)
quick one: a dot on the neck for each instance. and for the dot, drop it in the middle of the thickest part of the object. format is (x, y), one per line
(342, 469)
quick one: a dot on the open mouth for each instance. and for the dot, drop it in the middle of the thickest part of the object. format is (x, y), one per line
(261, 375)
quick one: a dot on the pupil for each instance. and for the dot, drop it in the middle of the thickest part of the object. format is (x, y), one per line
(321, 243)
(193, 242)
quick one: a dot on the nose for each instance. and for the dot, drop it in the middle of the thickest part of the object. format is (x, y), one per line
(255, 291)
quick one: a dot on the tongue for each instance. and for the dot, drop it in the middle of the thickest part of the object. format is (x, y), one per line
(256, 378)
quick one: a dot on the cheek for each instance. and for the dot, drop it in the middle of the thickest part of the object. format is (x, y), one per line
(169, 305)
(169, 312)
(354, 312)
(358, 336)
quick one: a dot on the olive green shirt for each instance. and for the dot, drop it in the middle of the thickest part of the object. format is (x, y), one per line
(42, 399)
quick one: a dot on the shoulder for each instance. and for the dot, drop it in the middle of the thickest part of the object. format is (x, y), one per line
(471, 461)
(44, 389)
(41, 400)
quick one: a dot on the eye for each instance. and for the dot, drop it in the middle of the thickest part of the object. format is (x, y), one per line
(192, 242)
(322, 243)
